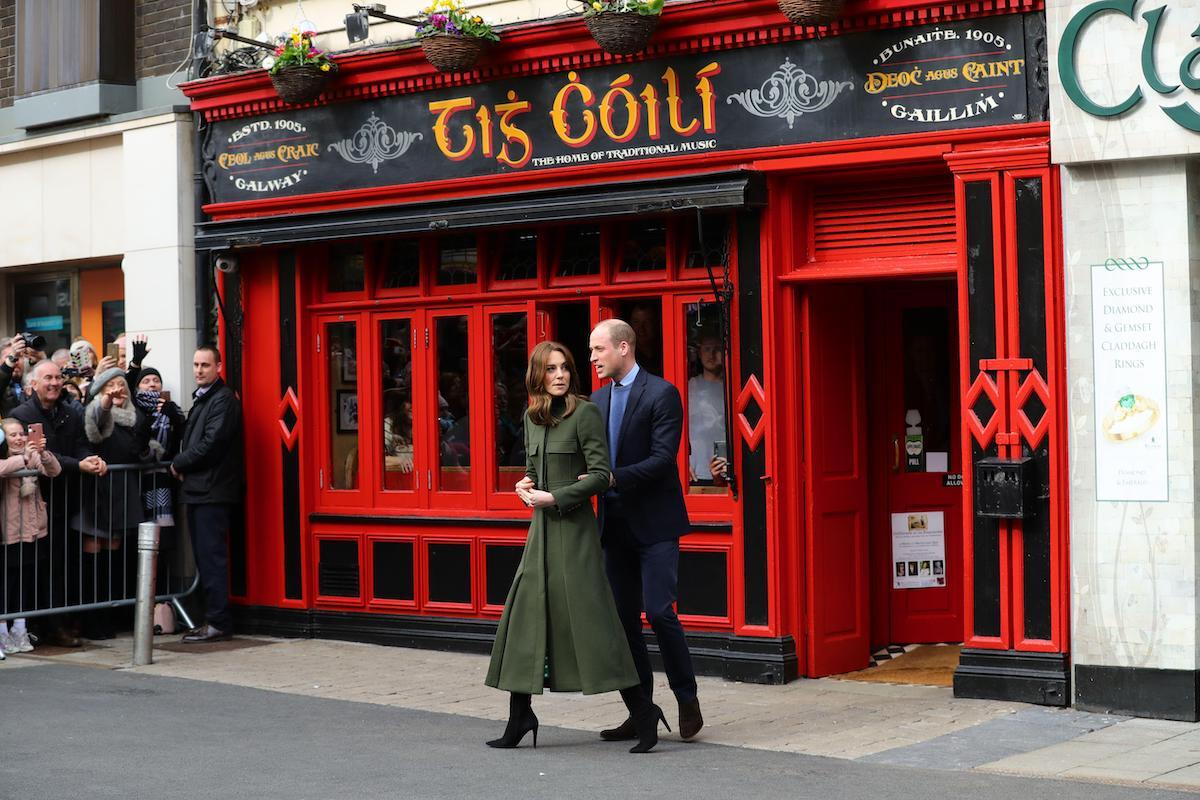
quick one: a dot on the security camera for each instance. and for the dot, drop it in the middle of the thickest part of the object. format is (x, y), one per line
(227, 263)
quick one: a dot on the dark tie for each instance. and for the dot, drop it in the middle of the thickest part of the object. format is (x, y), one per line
(616, 413)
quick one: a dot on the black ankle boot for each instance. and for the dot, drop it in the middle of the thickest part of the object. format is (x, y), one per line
(646, 717)
(521, 720)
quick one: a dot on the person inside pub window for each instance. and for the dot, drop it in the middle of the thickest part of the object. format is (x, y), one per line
(706, 409)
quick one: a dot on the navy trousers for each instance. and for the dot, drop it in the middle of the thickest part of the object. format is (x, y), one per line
(208, 524)
(645, 577)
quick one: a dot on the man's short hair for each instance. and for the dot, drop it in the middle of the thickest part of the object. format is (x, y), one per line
(621, 331)
(212, 348)
(36, 372)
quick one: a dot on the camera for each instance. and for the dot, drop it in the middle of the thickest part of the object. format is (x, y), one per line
(34, 341)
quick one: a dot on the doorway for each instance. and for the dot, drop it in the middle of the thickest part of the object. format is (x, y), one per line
(883, 464)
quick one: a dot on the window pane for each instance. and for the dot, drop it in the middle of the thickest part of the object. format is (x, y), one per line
(518, 256)
(716, 240)
(343, 401)
(395, 339)
(705, 398)
(645, 247)
(457, 261)
(454, 404)
(44, 309)
(510, 349)
(580, 252)
(401, 263)
(347, 267)
(927, 376)
(644, 314)
(572, 327)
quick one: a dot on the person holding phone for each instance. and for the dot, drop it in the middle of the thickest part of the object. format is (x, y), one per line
(15, 353)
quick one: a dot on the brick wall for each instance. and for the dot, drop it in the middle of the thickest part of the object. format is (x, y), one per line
(8, 38)
(163, 30)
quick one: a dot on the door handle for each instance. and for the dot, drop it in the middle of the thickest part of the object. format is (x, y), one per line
(896, 453)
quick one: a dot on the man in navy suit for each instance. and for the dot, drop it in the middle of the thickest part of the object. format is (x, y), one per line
(643, 514)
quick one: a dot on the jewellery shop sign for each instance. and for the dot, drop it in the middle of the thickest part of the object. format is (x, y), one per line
(957, 75)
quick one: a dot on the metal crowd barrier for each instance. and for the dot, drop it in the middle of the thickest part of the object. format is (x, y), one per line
(88, 557)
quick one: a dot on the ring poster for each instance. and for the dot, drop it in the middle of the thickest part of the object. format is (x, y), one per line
(919, 550)
(1130, 390)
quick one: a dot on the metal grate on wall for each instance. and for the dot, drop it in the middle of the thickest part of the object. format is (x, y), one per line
(909, 216)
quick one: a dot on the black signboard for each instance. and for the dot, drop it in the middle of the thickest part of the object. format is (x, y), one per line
(955, 75)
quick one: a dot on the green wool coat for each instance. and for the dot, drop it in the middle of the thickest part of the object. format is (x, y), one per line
(560, 608)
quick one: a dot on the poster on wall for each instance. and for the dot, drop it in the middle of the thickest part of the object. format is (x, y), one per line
(918, 550)
(1130, 385)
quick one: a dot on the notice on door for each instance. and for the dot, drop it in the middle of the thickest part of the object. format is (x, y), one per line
(918, 550)
(1130, 391)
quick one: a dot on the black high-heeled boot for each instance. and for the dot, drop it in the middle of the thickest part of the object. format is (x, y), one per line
(646, 717)
(521, 720)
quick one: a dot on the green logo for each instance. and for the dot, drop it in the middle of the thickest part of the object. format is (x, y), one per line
(1183, 114)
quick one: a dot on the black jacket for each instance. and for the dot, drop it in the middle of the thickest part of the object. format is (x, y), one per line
(648, 491)
(210, 458)
(63, 426)
(8, 393)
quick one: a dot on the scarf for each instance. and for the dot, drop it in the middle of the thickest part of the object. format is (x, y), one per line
(160, 424)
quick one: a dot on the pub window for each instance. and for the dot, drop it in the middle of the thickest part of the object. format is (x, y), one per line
(644, 247)
(453, 403)
(346, 270)
(340, 344)
(644, 315)
(396, 371)
(518, 257)
(401, 264)
(715, 227)
(573, 327)
(458, 260)
(705, 399)
(510, 349)
(579, 252)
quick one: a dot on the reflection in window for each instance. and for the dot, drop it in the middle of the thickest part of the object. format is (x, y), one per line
(454, 403)
(644, 315)
(573, 327)
(510, 348)
(518, 256)
(395, 345)
(707, 444)
(458, 261)
(927, 374)
(716, 228)
(401, 263)
(580, 252)
(343, 402)
(347, 268)
(645, 247)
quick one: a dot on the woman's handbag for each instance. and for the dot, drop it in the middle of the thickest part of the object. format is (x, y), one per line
(164, 619)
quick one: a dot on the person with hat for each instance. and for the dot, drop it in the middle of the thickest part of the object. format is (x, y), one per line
(166, 433)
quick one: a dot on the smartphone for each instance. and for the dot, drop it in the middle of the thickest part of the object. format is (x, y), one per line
(721, 450)
(113, 351)
(36, 432)
(165, 395)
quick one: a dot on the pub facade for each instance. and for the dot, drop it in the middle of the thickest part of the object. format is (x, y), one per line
(842, 244)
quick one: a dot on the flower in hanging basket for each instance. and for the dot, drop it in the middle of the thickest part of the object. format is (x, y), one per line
(622, 27)
(453, 37)
(299, 70)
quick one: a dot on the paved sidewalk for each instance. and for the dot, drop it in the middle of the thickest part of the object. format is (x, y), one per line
(876, 723)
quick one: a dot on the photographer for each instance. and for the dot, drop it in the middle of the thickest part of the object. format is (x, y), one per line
(15, 354)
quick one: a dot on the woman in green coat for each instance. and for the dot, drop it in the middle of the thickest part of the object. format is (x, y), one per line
(560, 627)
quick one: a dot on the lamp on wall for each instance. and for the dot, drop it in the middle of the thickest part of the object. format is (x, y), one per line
(358, 23)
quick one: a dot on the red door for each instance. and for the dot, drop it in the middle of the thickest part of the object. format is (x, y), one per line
(838, 500)
(916, 502)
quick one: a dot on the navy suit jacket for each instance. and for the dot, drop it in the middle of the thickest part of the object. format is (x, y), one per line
(647, 466)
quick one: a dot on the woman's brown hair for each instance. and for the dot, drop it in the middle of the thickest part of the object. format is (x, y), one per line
(535, 384)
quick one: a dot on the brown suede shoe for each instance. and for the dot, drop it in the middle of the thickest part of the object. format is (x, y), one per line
(690, 719)
(206, 634)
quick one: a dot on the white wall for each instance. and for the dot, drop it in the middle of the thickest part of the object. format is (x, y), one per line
(1133, 565)
(119, 191)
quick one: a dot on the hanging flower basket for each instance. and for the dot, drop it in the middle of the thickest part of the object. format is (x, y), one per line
(300, 84)
(449, 53)
(811, 12)
(621, 33)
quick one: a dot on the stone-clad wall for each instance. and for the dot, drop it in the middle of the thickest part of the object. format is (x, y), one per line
(1133, 565)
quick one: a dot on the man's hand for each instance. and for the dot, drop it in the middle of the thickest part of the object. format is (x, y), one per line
(93, 465)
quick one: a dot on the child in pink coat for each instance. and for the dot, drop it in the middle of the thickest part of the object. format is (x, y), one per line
(22, 524)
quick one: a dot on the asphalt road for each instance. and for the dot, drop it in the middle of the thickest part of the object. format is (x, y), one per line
(80, 732)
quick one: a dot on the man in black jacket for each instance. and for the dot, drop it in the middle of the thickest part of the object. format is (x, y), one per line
(210, 466)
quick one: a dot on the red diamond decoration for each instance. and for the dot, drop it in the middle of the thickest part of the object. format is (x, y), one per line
(753, 434)
(289, 435)
(1033, 384)
(984, 385)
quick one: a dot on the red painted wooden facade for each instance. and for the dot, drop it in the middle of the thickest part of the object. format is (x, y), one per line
(842, 222)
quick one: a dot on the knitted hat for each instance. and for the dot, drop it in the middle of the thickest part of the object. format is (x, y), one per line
(149, 371)
(103, 378)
